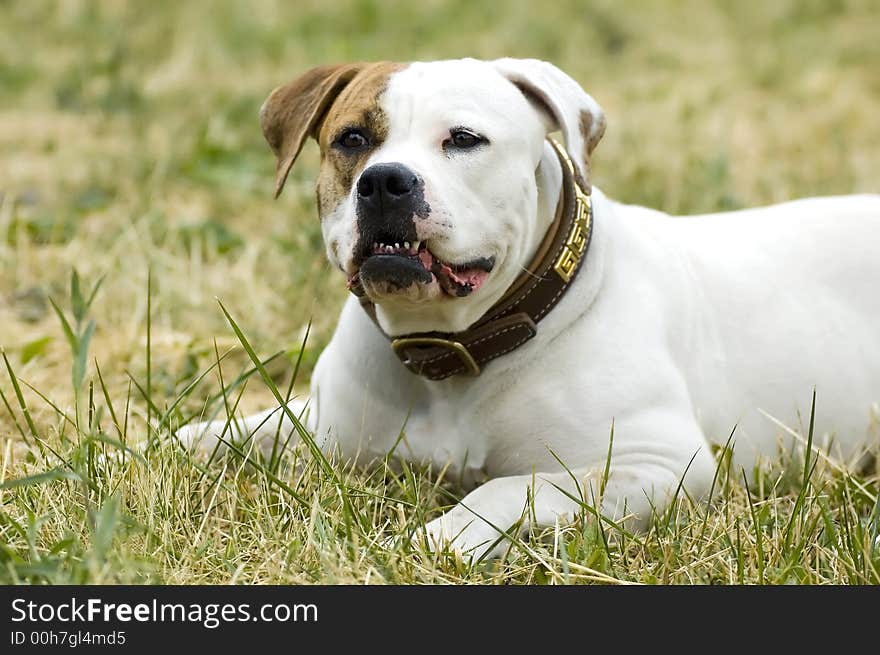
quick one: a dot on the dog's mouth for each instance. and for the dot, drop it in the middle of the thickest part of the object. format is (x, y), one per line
(400, 265)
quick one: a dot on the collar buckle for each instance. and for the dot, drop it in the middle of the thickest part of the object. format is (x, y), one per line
(400, 346)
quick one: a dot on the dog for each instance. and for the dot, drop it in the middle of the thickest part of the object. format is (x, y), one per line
(441, 198)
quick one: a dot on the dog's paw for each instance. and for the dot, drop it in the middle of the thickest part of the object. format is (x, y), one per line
(464, 534)
(199, 436)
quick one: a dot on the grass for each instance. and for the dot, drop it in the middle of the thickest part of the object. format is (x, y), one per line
(130, 153)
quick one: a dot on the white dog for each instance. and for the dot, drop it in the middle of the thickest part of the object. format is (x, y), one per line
(441, 199)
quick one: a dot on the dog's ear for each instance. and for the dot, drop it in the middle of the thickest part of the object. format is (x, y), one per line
(295, 111)
(563, 103)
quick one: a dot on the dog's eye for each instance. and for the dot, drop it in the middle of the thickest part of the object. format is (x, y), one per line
(352, 140)
(461, 139)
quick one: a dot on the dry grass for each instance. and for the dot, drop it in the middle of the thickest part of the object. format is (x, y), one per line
(129, 143)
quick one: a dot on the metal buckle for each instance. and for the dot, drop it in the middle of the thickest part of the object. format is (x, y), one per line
(400, 345)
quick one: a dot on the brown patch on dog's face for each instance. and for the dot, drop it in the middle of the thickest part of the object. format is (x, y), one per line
(300, 108)
(355, 109)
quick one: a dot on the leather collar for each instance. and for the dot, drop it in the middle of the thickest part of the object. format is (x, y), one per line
(513, 320)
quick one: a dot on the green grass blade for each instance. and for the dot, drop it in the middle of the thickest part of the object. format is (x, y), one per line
(22, 405)
(797, 512)
(759, 533)
(40, 478)
(69, 334)
(81, 356)
(151, 408)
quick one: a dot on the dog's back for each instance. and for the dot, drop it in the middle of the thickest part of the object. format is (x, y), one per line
(786, 297)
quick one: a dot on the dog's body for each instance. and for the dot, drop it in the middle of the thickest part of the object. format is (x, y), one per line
(676, 330)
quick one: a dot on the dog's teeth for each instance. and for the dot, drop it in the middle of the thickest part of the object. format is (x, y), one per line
(389, 249)
(416, 244)
(397, 246)
(406, 244)
(375, 245)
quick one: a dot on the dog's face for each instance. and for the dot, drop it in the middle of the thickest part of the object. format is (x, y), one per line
(427, 189)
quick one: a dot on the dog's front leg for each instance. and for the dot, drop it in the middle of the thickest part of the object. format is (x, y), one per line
(631, 493)
(501, 504)
(262, 429)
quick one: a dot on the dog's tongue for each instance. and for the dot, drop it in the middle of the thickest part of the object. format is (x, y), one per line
(427, 258)
(460, 282)
(456, 282)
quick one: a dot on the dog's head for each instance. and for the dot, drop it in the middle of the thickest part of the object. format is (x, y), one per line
(427, 190)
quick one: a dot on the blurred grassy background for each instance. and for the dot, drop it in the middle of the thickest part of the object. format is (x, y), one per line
(129, 139)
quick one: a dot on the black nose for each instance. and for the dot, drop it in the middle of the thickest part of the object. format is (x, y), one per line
(389, 184)
(390, 197)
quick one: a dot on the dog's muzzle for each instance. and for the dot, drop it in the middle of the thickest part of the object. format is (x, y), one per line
(513, 320)
(389, 198)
